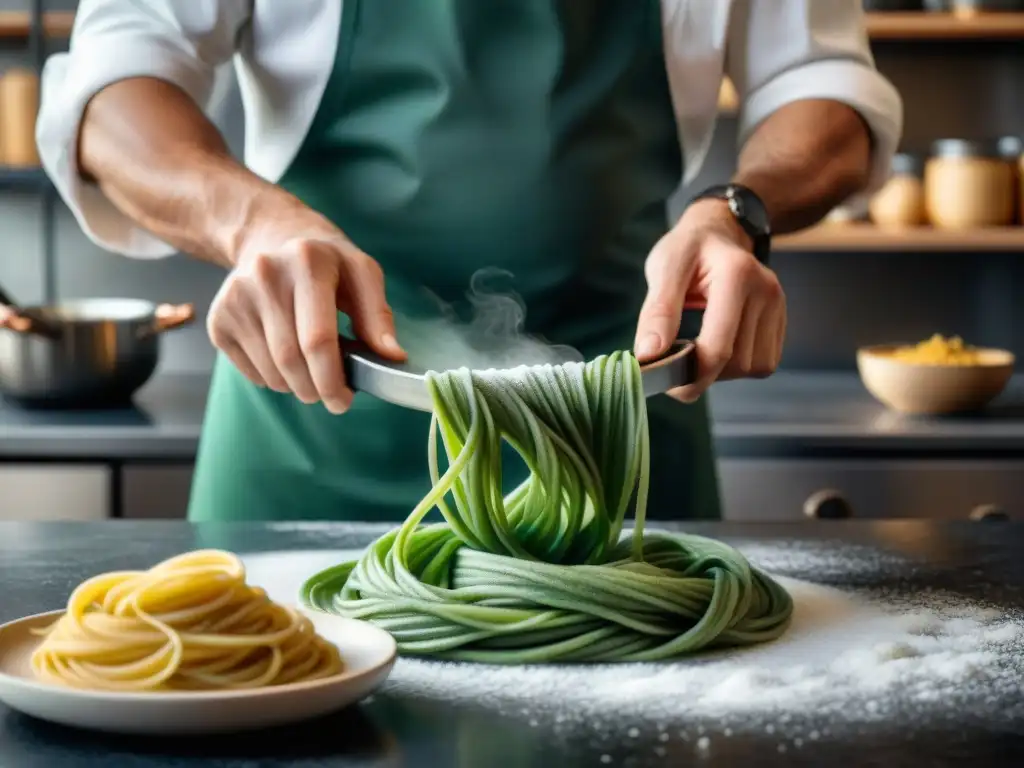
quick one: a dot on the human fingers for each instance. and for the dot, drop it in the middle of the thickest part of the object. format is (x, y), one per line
(759, 345)
(669, 270)
(234, 327)
(316, 321)
(748, 337)
(728, 287)
(241, 361)
(270, 277)
(773, 330)
(361, 295)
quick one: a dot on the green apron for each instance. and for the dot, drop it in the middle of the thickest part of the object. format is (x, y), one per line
(534, 136)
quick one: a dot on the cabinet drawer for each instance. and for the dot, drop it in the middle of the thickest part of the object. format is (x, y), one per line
(778, 489)
(156, 492)
(54, 492)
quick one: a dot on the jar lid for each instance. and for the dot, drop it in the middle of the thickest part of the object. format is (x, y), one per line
(1011, 147)
(966, 148)
(907, 164)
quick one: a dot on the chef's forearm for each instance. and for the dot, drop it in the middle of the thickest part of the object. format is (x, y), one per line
(804, 160)
(164, 165)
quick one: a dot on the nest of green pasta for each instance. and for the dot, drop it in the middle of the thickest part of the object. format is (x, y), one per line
(546, 573)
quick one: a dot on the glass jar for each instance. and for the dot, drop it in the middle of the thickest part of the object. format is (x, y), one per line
(1011, 148)
(968, 8)
(19, 103)
(900, 203)
(968, 185)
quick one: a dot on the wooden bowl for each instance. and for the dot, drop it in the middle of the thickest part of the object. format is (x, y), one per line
(932, 388)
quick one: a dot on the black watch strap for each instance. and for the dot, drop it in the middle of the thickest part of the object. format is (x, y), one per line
(750, 212)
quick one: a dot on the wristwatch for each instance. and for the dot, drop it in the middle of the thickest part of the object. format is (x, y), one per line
(750, 213)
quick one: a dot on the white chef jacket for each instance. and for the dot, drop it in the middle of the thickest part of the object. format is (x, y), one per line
(775, 52)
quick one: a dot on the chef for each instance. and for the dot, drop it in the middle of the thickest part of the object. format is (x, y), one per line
(393, 148)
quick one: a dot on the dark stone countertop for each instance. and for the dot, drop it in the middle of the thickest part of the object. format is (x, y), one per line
(42, 562)
(788, 414)
(164, 425)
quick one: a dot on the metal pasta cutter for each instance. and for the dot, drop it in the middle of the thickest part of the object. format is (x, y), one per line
(403, 385)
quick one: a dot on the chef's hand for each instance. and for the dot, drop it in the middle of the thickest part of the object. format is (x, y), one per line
(276, 318)
(706, 260)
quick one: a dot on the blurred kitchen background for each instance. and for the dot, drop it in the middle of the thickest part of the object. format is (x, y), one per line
(808, 441)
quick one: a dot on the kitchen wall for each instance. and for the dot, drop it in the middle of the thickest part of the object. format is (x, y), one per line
(837, 301)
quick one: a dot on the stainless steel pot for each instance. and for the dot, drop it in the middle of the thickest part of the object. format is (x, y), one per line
(88, 353)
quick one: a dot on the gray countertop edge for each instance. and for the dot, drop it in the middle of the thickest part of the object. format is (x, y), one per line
(789, 413)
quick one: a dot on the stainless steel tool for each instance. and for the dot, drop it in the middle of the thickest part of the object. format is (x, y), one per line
(402, 385)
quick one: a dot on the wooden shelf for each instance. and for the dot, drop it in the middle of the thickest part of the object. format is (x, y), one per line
(23, 179)
(912, 25)
(922, 25)
(917, 25)
(18, 24)
(864, 237)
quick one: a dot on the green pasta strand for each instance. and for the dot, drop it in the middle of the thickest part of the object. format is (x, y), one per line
(545, 573)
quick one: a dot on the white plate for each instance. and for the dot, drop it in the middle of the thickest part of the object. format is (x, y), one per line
(282, 574)
(368, 652)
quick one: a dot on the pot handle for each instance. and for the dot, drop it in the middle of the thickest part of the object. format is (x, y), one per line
(167, 317)
(13, 320)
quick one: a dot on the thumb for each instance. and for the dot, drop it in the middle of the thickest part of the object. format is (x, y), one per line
(669, 269)
(361, 295)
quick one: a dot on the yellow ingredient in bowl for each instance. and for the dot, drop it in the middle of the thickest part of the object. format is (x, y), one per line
(939, 350)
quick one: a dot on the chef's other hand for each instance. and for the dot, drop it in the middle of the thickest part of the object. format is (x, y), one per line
(706, 260)
(275, 316)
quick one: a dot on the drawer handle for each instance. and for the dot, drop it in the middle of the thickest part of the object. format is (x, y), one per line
(827, 504)
(988, 513)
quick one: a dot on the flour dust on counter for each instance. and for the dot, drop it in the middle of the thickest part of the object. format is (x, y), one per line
(849, 663)
(846, 664)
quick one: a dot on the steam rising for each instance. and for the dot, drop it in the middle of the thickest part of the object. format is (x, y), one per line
(492, 336)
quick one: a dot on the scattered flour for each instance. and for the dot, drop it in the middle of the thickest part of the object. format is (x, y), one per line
(826, 560)
(846, 661)
(841, 658)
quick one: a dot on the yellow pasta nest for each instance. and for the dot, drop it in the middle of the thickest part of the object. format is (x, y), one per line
(938, 350)
(189, 623)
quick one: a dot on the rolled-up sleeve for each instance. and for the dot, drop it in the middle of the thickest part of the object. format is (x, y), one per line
(781, 51)
(178, 41)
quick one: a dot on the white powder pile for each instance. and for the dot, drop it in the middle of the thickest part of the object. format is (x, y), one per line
(841, 660)
(845, 662)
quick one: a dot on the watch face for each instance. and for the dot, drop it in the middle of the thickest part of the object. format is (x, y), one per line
(736, 206)
(748, 207)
